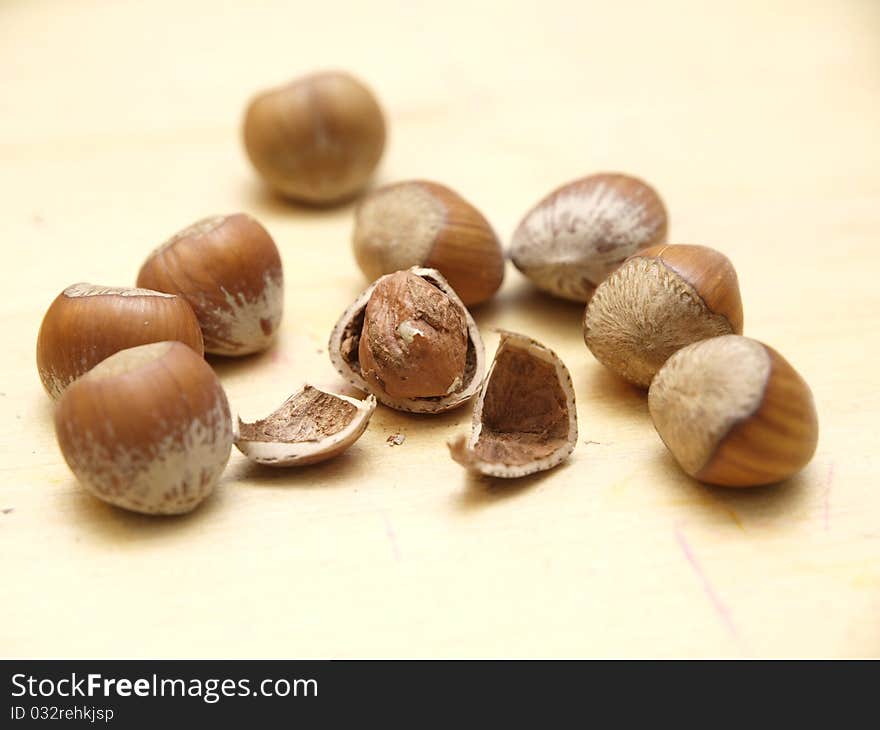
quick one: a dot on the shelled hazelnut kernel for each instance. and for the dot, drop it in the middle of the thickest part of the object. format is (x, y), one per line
(318, 139)
(658, 301)
(87, 323)
(147, 429)
(734, 412)
(410, 341)
(229, 270)
(577, 235)
(422, 223)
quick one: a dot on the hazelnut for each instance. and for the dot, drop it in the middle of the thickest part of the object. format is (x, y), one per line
(571, 240)
(734, 412)
(147, 429)
(658, 301)
(410, 341)
(229, 270)
(421, 223)
(524, 418)
(310, 426)
(87, 323)
(317, 139)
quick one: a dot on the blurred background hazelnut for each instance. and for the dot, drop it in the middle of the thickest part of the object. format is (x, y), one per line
(316, 140)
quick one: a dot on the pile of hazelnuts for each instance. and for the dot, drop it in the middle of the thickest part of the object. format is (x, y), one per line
(144, 423)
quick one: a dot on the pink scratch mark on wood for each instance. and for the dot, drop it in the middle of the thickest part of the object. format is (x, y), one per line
(719, 605)
(392, 536)
(826, 502)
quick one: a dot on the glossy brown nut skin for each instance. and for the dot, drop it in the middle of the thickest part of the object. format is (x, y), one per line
(776, 442)
(87, 323)
(659, 300)
(317, 139)
(149, 429)
(424, 223)
(709, 272)
(229, 270)
(734, 412)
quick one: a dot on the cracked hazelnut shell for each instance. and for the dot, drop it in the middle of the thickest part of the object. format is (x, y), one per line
(524, 419)
(658, 301)
(309, 427)
(148, 429)
(345, 348)
(423, 223)
(734, 412)
(317, 139)
(577, 235)
(229, 270)
(87, 323)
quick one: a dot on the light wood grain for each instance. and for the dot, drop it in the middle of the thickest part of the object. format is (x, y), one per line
(758, 123)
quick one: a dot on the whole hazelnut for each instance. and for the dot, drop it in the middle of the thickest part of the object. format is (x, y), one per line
(734, 412)
(229, 270)
(87, 323)
(317, 139)
(147, 429)
(658, 301)
(422, 223)
(410, 341)
(572, 239)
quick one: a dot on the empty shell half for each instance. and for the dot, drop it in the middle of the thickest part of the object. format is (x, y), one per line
(524, 419)
(401, 345)
(310, 426)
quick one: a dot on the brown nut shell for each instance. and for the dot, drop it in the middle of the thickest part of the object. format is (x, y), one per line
(734, 412)
(229, 270)
(658, 301)
(309, 427)
(87, 323)
(577, 235)
(318, 139)
(423, 223)
(525, 419)
(344, 350)
(148, 429)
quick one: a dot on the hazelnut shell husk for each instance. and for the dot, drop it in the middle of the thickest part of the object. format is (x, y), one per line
(734, 412)
(148, 429)
(311, 426)
(229, 270)
(424, 223)
(658, 301)
(345, 339)
(87, 323)
(571, 240)
(317, 139)
(525, 417)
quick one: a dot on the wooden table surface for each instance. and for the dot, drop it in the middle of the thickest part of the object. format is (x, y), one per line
(758, 123)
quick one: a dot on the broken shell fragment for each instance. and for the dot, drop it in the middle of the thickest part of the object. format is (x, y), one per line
(403, 344)
(310, 426)
(524, 419)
